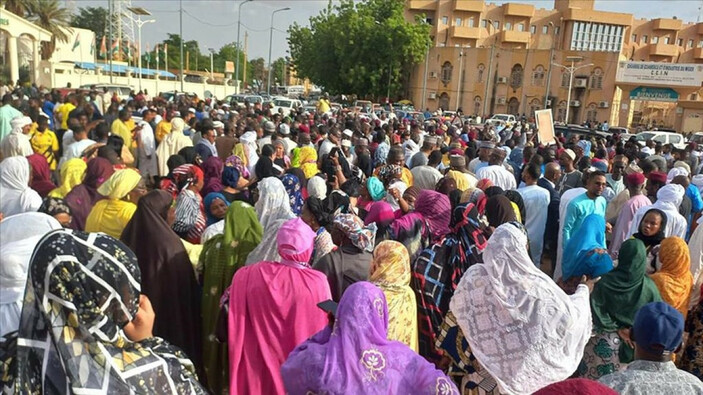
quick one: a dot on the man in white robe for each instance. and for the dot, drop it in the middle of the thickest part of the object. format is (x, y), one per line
(496, 172)
(17, 142)
(536, 201)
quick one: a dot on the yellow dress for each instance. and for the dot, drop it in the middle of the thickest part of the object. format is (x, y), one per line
(162, 129)
(45, 144)
(111, 215)
(391, 272)
(72, 172)
(64, 110)
(121, 129)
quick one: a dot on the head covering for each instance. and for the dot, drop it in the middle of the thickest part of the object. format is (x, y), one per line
(484, 184)
(412, 191)
(658, 328)
(41, 175)
(307, 160)
(499, 211)
(83, 197)
(54, 206)
(361, 236)
(212, 173)
(570, 153)
(516, 199)
(236, 162)
(447, 184)
(579, 256)
(576, 387)
(376, 189)
(207, 202)
(120, 184)
(16, 196)
(177, 125)
(657, 176)
(294, 189)
(683, 166)
(390, 271)
(656, 238)
(356, 356)
(230, 177)
(317, 187)
(672, 194)
(475, 196)
(82, 271)
(676, 171)
(507, 300)
(71, 172)
(189, 154)
(493, 191)
(390, 173)
(273, 210)
(187, 175)
(674, 280)
(17, 123)
(173, 162)
(19, 234)
(621, 292)
(436, 210)
(634, 179)
(380, 212)
(295, 242)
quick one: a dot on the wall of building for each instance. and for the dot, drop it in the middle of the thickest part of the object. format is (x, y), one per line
(466, 32)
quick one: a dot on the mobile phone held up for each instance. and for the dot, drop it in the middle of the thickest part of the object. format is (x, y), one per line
(328, 306)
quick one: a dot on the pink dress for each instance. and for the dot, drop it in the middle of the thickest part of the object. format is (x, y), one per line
(622, 224)
(273, 308)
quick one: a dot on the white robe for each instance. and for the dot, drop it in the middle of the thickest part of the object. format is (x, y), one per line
(16, 144)
(170, 145)
(536, 201)
(499, 176)
(146, 153)
(566, 198)
(16, 197)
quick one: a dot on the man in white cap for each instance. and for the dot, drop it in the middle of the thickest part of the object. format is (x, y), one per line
(571, 178)
(17, 142)
(496, 172)
(269, 129)
(284, 135)
(484, 151)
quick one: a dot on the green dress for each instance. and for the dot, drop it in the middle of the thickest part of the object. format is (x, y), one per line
(222, 256)
(614, 302)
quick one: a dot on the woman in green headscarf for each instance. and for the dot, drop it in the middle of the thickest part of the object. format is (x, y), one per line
(223, 255)
(614, 301)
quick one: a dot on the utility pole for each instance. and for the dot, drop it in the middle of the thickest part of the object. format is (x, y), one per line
(490, 67)
(239, 26)
(181, 43)
(461, 74)
(244, 74)
(571, 70)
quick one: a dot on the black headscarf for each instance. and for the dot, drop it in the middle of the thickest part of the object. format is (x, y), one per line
(319, 211)
(190, 155)
(516, 198)
(499, 210)
(493, 191)
(656, 239)
(173, 162)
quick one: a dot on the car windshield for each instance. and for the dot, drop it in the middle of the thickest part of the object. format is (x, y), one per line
(697, 138)
(282, 103)
(502, 117)
(644, 136)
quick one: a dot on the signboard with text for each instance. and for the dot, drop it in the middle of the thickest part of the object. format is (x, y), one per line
(545, 126)
(656, 73)
(654, 94)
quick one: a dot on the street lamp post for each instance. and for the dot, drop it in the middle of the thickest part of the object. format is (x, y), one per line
(139, 12)
(212, 64)
(239, 24)
(571, 70)
(268, 80)
(180, 76)
(490, 66)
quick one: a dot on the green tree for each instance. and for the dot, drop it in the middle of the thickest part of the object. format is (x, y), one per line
(229, 52)
(365, 48)
(278, 74)
(93, 19)
(49, 15)
(17, 7)
(256, 71)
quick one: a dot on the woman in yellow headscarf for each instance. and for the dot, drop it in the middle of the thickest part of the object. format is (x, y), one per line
(72, 172)
(306, 159)
(123, 189)
(674, 279)
(390, 271)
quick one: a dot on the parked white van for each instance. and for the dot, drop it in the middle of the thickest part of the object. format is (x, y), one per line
(661, 137)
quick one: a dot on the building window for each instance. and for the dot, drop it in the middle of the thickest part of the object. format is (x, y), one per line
(471, 22)
(521, 27)
(597, 78)
(533, 29)
(587, 36)
(513, 106)
(484, 23)
(690, 44)
(538, 76)
(561, 112)
(545, 29)
(516, 76)
(477, 105)
(457, 22)
(565, 80)
(479, 75)
(429, 21)
(667, 40)
(694, 96)
(496, 25)
(645, 39)
(700, 44)
(445, 20)
(680, 42)
(592, 113)
(655, 40)
(508, 26)
(447, 69)
(633, 38)
(556, 30)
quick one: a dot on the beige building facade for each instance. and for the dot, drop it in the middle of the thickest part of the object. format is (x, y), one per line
(487, 58)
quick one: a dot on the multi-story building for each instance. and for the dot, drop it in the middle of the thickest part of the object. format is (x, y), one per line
(510, 58)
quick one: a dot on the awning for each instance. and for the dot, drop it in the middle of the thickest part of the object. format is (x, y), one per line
(119, 68)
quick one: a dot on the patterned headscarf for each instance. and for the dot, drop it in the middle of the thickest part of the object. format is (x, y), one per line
(53, 206)
(390, 173)
(236, 162)
(361, 236)
(187, 175)
(295, 193)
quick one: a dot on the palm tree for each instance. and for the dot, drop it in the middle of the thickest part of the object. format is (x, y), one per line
(49, 15)
(17, 7)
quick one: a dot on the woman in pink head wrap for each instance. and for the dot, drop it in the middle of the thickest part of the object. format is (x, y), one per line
(272, 309)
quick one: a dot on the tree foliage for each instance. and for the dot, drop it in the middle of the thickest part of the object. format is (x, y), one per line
(93, 19)
(50, 15)
(359, 47)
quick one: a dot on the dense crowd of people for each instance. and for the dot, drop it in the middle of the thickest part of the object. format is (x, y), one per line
(200, 246)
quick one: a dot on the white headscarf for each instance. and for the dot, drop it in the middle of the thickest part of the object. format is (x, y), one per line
(248, 139)
(317, 187)
(520, 325)
(676, 171)
(16, 196)
(273, 210)
(17, 143)
(171, 144)
(669, 198)
(19, 234)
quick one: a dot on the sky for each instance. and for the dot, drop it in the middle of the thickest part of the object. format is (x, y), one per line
(213, 23)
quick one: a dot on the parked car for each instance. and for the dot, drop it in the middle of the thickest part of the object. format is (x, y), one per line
(502, 119)
(696, 138)
(122, 91)
(171, 96)
(284, 105)
(676, 139)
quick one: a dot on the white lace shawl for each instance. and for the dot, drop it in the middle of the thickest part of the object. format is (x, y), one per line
(273, 209)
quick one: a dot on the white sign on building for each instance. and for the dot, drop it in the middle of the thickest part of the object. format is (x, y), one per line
(655, 73)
